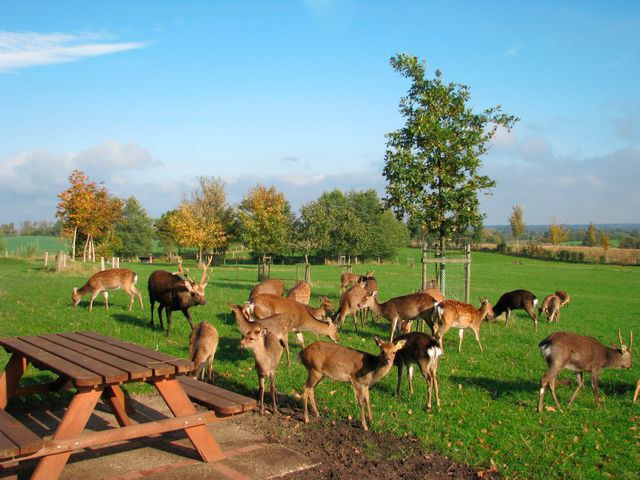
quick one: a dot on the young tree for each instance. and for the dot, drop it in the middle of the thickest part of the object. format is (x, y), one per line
(516, 220)
(591, 236)
(134, 230)
(265, 221)
(165, 234)
(557, 233)
(604, 242)
(432, 163)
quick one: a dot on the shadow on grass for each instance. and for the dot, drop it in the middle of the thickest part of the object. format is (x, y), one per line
(135, 321)
(497, 388)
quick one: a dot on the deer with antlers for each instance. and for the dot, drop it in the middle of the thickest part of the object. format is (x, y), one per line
(176, 291)
(106, 280)
(579, 354)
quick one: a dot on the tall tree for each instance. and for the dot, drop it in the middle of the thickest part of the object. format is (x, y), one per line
(134, 230)
(516, 220)
(591, 236)
(557, 233)
(165, 234)
(265, 221)
(432, 163)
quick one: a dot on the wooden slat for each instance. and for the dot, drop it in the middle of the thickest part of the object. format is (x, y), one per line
(222, 401)
(8, 449)
(182, 364)
(134, 371)
(80, 376)
(145, 363)
(107, 372)
(25, 439)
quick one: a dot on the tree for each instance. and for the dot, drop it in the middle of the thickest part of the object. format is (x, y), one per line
(203, 221)
(165, 233)
(265, 221)
(134, 230)
(604, 242)
(432, 163)
(516, 220)
(591, 236)
(557, 233)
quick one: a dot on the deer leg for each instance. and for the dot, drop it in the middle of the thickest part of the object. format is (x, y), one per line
(272, 381)
(300, 338)
(434, 377)
(477, 332)
(139, 294)
(635, 395)
(400, 365)
(153, 304)
(441, 333)
(261, 393)
(105, 294)
(360, 395)
(410, 375)
(553, 393)
(394, 324)
(285, 343)
(354, 318)
(532, 314)
(548, 379)
(460, 336)
(186, 313)
(579, 375)
(308, 393)
(424, 369)
(168, 310)
(506, 316)
(160, 308)
(594, 385)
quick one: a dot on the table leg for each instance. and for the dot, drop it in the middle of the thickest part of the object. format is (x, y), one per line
(13, 372)
(179, 403)
(118, 402)
(72, 424)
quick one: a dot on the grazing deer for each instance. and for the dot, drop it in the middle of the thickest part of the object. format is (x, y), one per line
(517, 300)
(451, 313)
(345, 364)
(301, 292)
(106, 280)
(424, 350)
(203, 343)
(270, 285)
(349, 304)
(564, 297)
(635, 395)
(406, 307)
(280, 325)
(305, 318)
(348, 279)
(175, 293)
(551, 308)
(267, 350)
(579, 354)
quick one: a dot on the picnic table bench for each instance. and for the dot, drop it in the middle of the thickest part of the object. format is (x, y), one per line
(96, 366)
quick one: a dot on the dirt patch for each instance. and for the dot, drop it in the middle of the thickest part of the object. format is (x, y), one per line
(345, 450)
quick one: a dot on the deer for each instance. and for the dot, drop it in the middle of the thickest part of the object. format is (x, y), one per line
(347, 279)
(305, 318)
(203, 343)
(551, 308)
(107, 280)
(579, 354)
(345, 364)
(301, 292)
(267, 350)
(406, 307)
(279, 324)
(452, 313)
(564, 297)
(270, 285)
(517, 300)
(423, 350)
(349, 304)
(173, 292)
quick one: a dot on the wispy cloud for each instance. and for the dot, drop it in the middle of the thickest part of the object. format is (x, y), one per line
(28, 49)
(512, 51)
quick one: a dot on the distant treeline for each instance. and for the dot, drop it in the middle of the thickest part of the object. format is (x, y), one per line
(28, 228)
(622, 235)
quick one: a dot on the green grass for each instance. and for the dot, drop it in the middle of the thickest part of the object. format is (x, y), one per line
(489, 400)
(38, 243)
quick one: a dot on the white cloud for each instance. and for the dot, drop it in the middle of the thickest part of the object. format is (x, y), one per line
(27, 49)
(512, 51)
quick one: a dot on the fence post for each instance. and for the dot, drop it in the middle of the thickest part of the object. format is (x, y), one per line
(467, 274)
(101, 264)
(424, 264)
(307, 273)
(46, 259)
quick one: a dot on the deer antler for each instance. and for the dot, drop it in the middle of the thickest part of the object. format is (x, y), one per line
(630, 339)
(184, 273)
(620, 338)
(204, 269)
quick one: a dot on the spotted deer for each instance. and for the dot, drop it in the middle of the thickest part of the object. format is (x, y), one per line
(455, 314)
(106, 280)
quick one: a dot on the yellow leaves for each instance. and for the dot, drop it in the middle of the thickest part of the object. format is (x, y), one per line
(193, 230)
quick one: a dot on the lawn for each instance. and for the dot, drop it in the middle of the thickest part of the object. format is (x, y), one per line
(489, 400)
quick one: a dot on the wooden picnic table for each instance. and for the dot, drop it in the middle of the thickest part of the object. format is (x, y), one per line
(96, 366)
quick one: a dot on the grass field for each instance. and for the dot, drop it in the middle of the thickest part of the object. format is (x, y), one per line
(489, 400)
(38, 244)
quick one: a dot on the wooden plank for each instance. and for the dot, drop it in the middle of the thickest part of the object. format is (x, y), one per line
(145, 363)
(25, 439)
(133, 370)
(445, 260)
(183, 365)
(80, 376)
(8, 449)
(219, 404)
(107, 372)
(13, 372)
(202, 391)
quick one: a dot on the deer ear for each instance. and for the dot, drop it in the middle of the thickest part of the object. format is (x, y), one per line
(204, 285)
(377, 340)
(264, 332)
(400, 344)
(75, 289)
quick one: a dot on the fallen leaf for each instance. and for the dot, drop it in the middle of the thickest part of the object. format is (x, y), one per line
(550, 409)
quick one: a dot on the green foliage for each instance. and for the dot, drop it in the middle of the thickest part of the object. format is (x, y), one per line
(591, 236)
(166, 234)
(516, 220)
(134, 230)
(433, 161)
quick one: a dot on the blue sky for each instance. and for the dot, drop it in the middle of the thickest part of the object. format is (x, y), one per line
(148, 95)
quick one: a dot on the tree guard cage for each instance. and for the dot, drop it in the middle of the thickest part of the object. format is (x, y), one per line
(451, 272)
(264, 268)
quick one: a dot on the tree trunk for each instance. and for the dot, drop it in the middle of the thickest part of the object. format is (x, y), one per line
(73, 244)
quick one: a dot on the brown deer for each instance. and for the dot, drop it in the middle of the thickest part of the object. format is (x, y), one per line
(635, 395)
(345, 364)
(203, 343)
(406, 307)
(301, 292)
(451, 313)
(517, 300)
(280, 325)
(106, 280)
(270, 285)
(267, 350)
(424, 350)
(551, 308)
(305, 318)
(349, 305)
(173, 292)
(347, 279)
(564, 297)
(579, 354)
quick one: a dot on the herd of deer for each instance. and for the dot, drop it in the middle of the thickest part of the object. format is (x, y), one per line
(268, 316)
